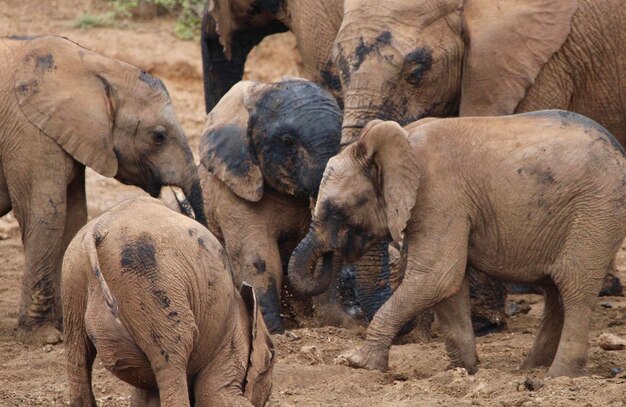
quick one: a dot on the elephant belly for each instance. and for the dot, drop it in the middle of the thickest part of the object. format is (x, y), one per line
(118, 352)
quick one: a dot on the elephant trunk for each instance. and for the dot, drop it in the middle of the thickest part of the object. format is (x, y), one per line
(360, 107)
(193, 193)
(302, 266)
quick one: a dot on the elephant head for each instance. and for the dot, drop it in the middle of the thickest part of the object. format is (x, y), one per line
(108, 115)
(366, 195)
(403, 60)
(278, 135)
(258, 382)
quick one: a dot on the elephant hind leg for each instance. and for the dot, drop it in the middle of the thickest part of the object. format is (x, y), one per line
(549, 334)
(579, 296)
(454, 315)
(79, 349)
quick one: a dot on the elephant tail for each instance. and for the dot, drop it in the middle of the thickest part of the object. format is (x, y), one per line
(91, 239)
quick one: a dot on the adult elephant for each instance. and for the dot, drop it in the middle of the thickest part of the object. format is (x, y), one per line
(404, 60)
(231, 28)
(63, 108)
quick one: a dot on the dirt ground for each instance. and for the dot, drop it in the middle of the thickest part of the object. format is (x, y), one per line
(305, 374)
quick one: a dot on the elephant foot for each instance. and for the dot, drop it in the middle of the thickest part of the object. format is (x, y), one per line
(365, 357)
(570, 371)
(531, 362)
(39, 335)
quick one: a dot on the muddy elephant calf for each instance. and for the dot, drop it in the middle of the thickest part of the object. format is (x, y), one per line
(537, 197)
(152, 293)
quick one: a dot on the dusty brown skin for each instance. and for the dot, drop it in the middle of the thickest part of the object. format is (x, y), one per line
(416, 59)
(231, 28)
(151, 292)
(62, 108)
(514, 197)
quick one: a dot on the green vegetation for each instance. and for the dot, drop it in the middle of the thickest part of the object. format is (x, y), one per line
(90, 21)
(188, 12)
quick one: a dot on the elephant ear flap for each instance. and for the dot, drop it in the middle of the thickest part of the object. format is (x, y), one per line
(262, 353)
(69, 102)
(225, 148)
(394, 169)
(509, 43)
(223, 16)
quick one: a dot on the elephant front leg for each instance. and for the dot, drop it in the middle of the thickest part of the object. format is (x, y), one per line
(435, 272)
(41, 213)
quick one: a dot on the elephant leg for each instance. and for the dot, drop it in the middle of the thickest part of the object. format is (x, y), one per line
(579, 297)
(435, 272)
(547, 340)
(209, 390)
(40, 208)
(454, 315)
(144, 398)
(79, 349)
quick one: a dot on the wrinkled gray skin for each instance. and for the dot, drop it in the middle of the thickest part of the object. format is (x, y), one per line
(62, 108)
(538, 197)
(151, 292)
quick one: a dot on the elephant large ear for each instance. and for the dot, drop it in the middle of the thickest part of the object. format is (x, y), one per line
(509, 43)
(60, 92)
(385, 146)
(225, 148)
(261, 361)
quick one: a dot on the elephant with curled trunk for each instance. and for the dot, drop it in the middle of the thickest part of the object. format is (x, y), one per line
(263, 153)
(403, 60)
(62, 108)
(231, 28)
(535, 197)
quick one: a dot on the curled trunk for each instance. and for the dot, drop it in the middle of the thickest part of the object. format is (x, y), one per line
(193, 193)
(302, 273)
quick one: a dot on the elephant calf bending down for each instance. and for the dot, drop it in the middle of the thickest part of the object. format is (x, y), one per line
(151, 291)
(537, 197)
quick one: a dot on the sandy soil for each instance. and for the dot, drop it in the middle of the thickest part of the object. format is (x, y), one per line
(305, 374)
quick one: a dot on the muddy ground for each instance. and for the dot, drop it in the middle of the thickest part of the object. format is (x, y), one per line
(305, 374)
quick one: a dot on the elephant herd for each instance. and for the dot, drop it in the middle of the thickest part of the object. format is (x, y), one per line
(435, 145)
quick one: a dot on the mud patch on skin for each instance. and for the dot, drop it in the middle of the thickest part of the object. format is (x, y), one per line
(228, 145)
(420, 60)
(363, 50)
(22, 37)
(139, 257)
(44, 62)
(201, 243)
(162, 298)
(154, 83)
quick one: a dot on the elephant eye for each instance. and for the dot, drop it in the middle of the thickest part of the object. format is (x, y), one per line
(287, 139)
(158, 137)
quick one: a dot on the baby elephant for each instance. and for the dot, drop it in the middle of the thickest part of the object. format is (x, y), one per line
(537, 197)
(151, 291)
